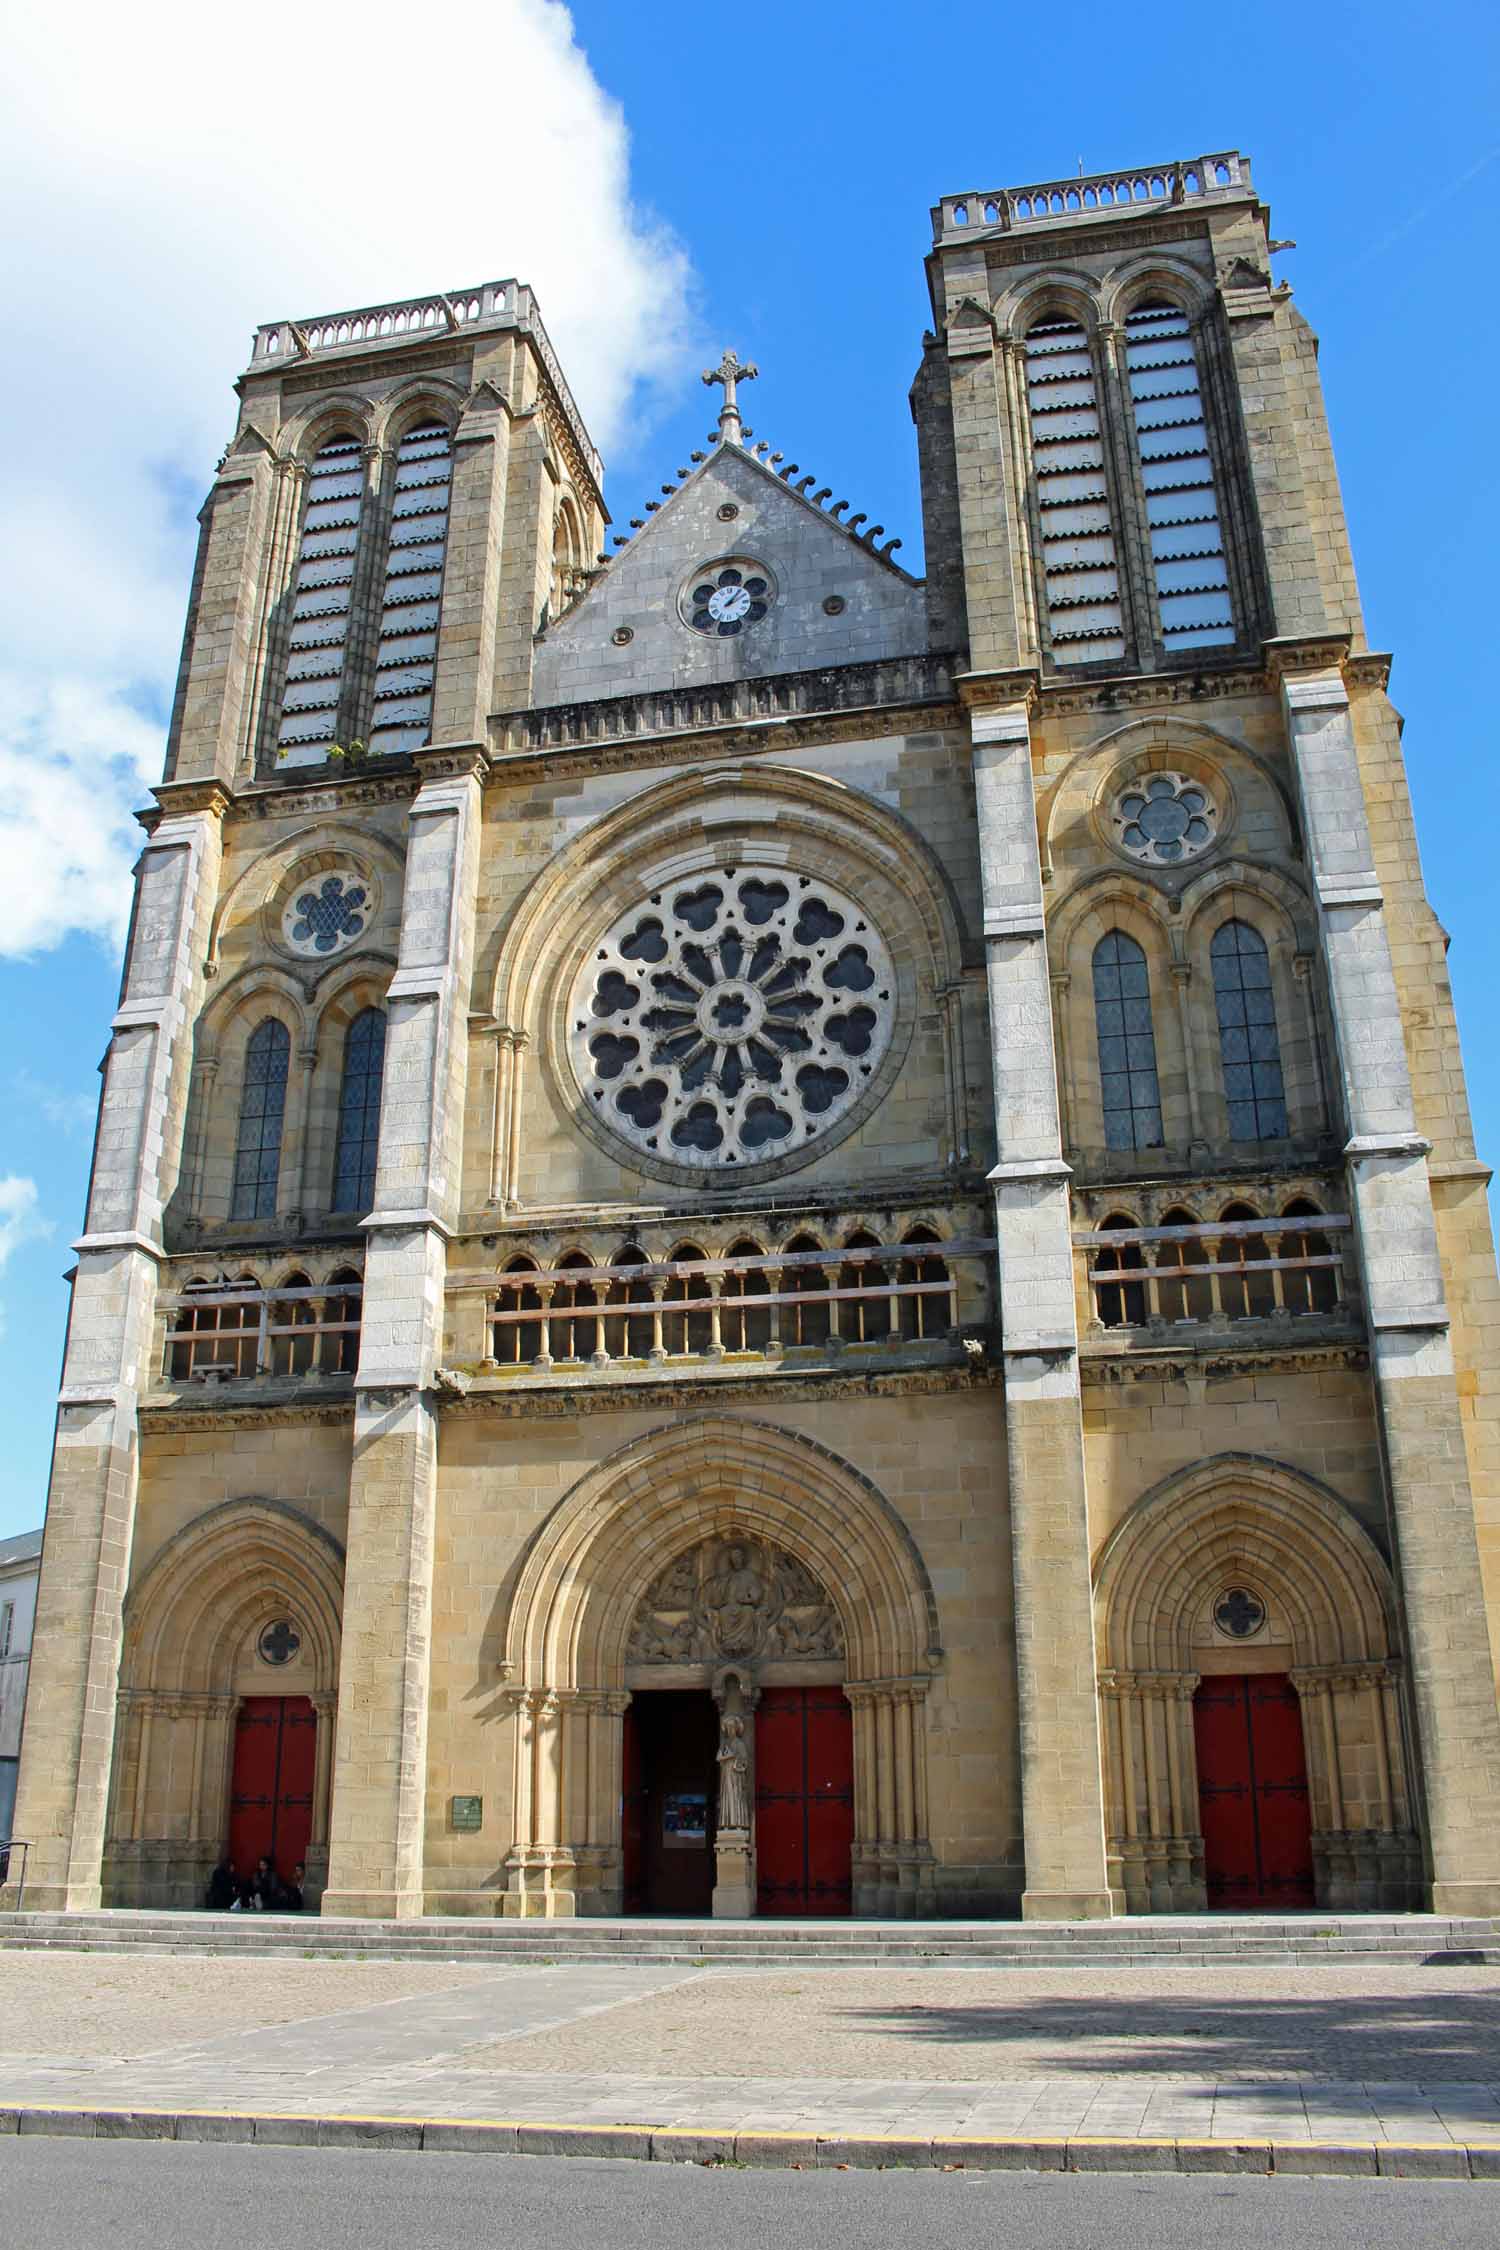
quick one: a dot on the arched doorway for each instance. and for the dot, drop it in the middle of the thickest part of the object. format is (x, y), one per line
(752, 1569)
(738, 1741)
(228, 1689)
(1251, 1699)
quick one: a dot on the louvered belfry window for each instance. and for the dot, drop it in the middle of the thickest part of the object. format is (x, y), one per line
(1080, 577)
(321, 597)
(1182, 504)
(401, 715)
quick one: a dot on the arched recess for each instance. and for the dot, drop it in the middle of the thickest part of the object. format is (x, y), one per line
(1239, 1523)
(758, 818)
(582, 1582)
(190, 1655)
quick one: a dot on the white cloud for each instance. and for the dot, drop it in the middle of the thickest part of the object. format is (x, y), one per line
(172, 180)
(20, 1221)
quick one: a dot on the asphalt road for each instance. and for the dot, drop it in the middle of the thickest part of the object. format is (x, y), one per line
(71, 2195)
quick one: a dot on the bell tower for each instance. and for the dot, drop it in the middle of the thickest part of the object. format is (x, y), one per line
(1133, 518)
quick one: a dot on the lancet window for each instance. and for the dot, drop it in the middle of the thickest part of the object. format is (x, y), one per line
(257, 1150)
(1249, 1049)
(1080, 574)
(1127, 1044)
(1183, 520)
(359, 1112)
(322, 595)
(405, 659)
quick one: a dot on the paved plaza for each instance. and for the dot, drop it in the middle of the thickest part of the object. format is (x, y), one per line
(1353, 2057)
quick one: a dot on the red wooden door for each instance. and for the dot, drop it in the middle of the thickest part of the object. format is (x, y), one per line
(804, 1801)
(1252, 1787)
(271, 1794)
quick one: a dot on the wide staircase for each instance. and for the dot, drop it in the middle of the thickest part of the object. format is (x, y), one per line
(1159, 1941)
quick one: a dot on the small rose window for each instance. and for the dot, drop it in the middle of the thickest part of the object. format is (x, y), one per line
(1165, 818)
(326, 915)
(727, 597)
(732, 1018)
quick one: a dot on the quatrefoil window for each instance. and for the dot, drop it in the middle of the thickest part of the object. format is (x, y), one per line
(732, 1018)
(1165, 818)
(326, 916)
(727, 597)
(1239, 1614)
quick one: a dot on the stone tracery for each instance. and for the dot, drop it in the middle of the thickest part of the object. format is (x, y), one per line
(733, 1018)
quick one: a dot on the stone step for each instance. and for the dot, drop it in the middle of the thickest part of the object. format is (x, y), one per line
(1128, 1942)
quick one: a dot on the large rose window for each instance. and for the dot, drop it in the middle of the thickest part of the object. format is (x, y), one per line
(732, 1018)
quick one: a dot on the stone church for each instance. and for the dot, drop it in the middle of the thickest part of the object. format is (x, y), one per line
(769, 1237)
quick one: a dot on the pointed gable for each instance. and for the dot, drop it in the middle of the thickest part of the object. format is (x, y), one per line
(827, 597)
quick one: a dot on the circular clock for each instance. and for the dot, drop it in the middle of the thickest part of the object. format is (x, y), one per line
(727, 604)
(727, 597)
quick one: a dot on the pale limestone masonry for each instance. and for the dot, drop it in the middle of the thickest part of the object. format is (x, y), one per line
(1100, 1367)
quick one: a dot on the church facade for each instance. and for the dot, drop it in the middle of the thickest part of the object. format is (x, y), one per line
(768, 1237)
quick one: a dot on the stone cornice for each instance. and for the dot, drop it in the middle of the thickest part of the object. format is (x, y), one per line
(834, 702)
(284, 801)
(176, 798)
(1173, 1362)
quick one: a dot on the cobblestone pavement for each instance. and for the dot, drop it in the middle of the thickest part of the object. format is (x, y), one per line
(1325, 2055)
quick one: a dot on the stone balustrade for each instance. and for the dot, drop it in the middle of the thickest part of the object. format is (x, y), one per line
(1094, 194)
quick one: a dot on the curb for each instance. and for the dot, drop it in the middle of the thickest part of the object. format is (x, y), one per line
(1386, 2160)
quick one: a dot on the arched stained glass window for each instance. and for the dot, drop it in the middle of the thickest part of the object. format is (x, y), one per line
(257, 1148)
(401, 714)
(1127, 1044)
(1080, 580)
(321, 595)
(1182, 504)
(1248, 1045)
(359, 1112)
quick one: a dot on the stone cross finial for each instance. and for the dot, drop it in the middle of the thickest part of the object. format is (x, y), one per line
(730, 371)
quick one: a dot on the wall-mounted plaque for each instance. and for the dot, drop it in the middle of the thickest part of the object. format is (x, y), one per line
(466, 1813)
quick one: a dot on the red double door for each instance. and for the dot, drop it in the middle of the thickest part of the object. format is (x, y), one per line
(804, 1802)
(271, 1793)
(1252, 1788)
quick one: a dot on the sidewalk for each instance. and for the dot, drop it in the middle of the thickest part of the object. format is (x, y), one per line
(1393, 2071)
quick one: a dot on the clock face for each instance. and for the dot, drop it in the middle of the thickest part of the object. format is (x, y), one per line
(727, 598)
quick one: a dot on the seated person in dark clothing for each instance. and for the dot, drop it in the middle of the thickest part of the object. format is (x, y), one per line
(223, 1887)
(292, 1901)
(265, 1888)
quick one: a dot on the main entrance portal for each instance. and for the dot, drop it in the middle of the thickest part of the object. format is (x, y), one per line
(1252, 1783)
(669, 1796)
(271, 1794)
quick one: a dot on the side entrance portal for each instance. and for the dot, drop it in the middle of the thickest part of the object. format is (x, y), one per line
(271, 1794)
(1252, 1784)
(804, 1801)
(669, 1795)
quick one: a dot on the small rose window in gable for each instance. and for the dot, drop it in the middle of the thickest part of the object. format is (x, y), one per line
(1165, 818)
(727, 598)
(714, 1025)
(326, 915)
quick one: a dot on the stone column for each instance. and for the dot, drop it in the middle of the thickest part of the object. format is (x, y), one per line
(1062, 1800)
(1431, 1504)
(380, 1755)
(62, 1802)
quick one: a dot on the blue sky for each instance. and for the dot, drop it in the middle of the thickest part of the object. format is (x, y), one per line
(671, 178)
